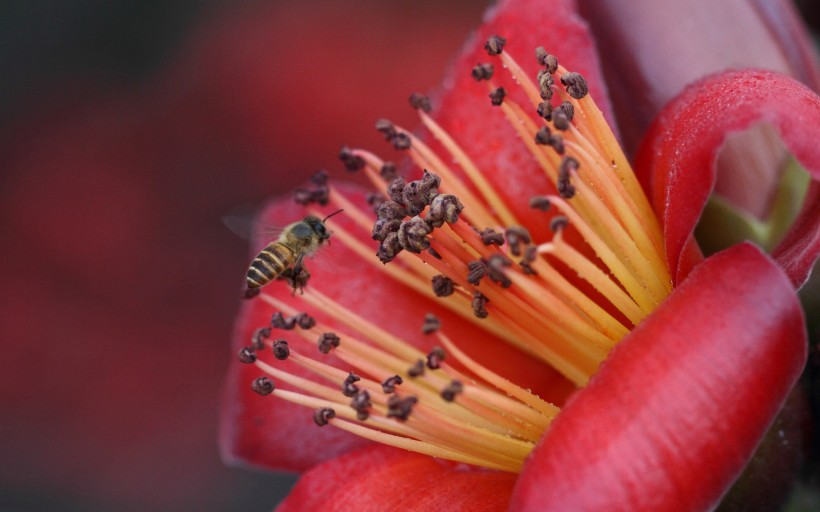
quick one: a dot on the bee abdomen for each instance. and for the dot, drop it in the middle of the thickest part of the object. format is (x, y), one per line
(268, 264)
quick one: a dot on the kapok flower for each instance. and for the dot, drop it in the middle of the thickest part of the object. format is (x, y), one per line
(580, 267)
(566, 299)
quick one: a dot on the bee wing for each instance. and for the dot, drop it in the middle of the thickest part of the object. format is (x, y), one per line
(247, 228)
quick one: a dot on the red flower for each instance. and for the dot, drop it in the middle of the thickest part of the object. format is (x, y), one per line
(707, 350)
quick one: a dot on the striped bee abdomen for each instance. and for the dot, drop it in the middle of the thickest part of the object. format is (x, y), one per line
(269, 264)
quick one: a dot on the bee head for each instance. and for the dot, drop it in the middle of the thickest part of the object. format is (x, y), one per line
(318, 227)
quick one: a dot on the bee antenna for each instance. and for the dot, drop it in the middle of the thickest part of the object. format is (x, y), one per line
(332, 214)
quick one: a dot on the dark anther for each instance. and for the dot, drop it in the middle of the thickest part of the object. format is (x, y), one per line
(531, 253)
(400, 408)
(390, 210)
(517, 235)
(278, 321)
(428, 186)
(431, 324)
(482, 72)
(259, 336)
(349, 388)
(453, 388)
(568, 166)
(389, 248)
(246, 355)
(495, 45)
(389, 384)
(545, 83)
(497, 96)
(384, 227)
(542, 136)
(322, 416)
(495, 270)
(388, 171)
(476, 270)
(305, 321)
(444, 208)
(526, 268)
(529, 256)
(411, 195)
(560, 120)
(540, 55)
(318, 195)
(568, 108)
(420, 101)
(480, 305)
(320, 178)
(250, 293)
(540, 203)
(557, 143)
(401, 141)
(435, 357)
(413, 235)
(432, 252)
(442, 286)
(544, 110)
(562, 115)
(361, 404)
(280, 349)
(549, 61)
(262, 386)
(395, 191)
(327, 341)
(303, 196)
(575, 84)
(386, 127)
(375, 199)
(558, 223)
(489, 236)
(352, 161)
(417, 369)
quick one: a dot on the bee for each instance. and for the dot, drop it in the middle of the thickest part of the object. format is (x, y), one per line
(284, 257)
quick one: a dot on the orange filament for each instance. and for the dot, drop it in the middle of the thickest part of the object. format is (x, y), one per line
(567, 300)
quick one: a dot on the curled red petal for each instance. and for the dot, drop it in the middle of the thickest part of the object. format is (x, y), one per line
(382, 478)
(679, 407)
(677, 160)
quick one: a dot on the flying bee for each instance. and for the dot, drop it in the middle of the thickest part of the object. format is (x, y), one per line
(283, 258)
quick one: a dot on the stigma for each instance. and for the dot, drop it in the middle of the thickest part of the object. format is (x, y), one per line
(565, 298)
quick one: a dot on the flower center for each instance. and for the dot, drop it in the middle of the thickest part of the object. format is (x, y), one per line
(566, 300)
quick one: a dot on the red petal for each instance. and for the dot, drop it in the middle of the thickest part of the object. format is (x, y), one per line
(680, 405)
(248, 431)
(677, 159)
(277, 434)
(382, 478)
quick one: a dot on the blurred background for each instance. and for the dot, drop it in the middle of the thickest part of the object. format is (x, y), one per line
(128, 128)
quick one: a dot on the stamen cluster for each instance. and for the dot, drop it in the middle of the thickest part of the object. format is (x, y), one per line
(450, 236)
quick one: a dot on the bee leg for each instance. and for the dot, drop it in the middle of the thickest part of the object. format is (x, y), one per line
(298, 276)
(298, 266)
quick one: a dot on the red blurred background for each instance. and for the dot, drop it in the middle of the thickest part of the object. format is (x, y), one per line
(128, 128)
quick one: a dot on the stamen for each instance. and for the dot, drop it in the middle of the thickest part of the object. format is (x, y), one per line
(565, 298)
(262, 386)
(322, 416)
(431, 325)
(280, 349)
